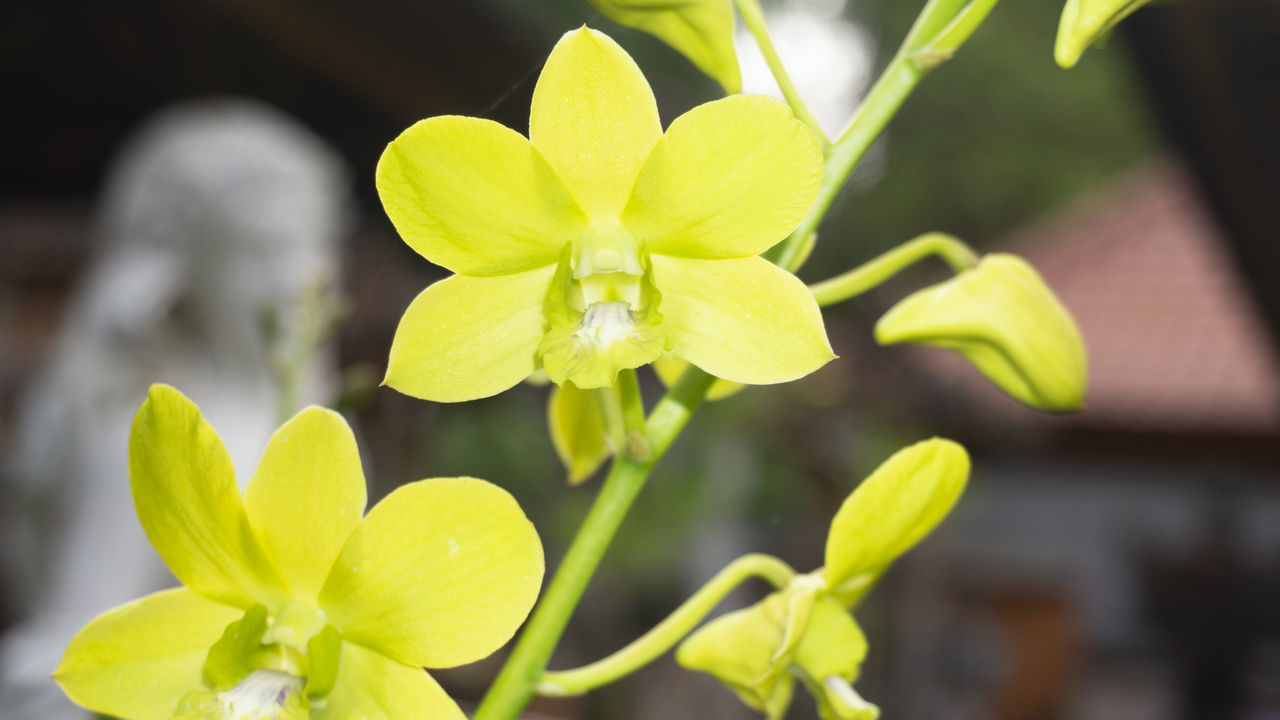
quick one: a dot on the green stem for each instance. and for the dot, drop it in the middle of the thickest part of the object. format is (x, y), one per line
(871, 274)
(514, 686)
(610, 403)
(753, 18)
(632, 407)
(961, 27)
(893, 87)
(670, 631)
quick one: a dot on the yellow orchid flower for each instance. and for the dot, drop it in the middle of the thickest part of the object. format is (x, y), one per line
(600, 242)
(804, 631)
(295, 606)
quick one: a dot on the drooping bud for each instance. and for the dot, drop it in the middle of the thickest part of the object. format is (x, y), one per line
(1085, 22)
(1004, 318)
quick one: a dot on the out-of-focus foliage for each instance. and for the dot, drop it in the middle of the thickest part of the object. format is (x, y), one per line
(990, 140)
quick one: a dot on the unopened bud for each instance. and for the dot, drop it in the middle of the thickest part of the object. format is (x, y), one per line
(1004, 318)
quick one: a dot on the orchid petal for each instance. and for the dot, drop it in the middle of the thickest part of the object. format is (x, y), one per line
(595, 119)
(185, 492)
(476, 197)
(731, 178)
(140, 659)
(306, 497)
(440, 573)
(741, 319)
(465, 337)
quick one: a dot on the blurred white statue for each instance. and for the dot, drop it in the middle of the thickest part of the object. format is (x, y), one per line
(219, 215)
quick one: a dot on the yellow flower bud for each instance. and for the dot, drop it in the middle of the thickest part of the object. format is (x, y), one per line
(1085, 22)
(1004, 318)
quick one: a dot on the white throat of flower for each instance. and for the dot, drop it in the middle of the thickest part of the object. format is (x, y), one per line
(601, 310)
(605, 323)
(261, 695)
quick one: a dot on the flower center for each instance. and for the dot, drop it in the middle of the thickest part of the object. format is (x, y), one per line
(607, 267)
(601, 309)
(261, 695)
(605, 323)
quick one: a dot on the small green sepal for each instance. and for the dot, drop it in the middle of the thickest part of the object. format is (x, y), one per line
(577, 431)
(760, 651)
(324, 651)
(237, 652)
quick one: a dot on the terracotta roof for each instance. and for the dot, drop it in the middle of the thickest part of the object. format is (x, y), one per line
(1176, 342)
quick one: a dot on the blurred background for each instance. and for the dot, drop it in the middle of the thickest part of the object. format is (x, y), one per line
(187, 196)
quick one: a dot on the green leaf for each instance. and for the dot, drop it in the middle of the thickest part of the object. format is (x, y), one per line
(701, 30)
(902, 501)
(742, 319)
(577, 431)
(140, 659)
(1004, 318)
(440, 573)
(730, 179)
(1086, 22)
(465, 338)
(185, 492)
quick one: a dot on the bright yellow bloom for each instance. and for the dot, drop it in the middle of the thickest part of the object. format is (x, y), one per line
(600, 242)
(294, 603)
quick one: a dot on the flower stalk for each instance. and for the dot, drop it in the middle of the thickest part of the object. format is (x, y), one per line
(516, 684)
(871, 274)
(664, 636)
(939, 31)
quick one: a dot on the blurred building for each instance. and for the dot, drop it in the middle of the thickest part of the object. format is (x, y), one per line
(1121, 562)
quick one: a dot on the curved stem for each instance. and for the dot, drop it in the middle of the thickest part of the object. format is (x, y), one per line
(514, 686)
(871, 274)
(912, 62)
(753, 18)
(670, 631)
